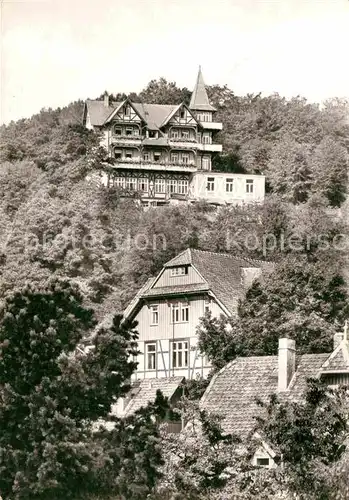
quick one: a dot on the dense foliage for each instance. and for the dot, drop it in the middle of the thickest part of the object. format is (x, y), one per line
(53, 395)
(58, 222)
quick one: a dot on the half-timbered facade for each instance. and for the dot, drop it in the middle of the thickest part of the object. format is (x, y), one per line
(169, 307)
(163, 153)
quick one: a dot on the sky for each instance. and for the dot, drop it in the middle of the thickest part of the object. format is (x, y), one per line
(56, 51)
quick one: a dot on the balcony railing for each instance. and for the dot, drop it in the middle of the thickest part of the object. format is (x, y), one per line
(151, 164)
(128, 137)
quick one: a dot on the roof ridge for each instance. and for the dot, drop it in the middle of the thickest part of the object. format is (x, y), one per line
(232, 256)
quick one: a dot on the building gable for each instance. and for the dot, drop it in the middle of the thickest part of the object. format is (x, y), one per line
(181, 117)
(178, 275)
(125, 112)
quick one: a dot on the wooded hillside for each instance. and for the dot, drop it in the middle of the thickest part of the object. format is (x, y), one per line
(56, 223)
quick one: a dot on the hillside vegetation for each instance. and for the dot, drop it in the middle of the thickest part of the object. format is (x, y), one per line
(56, 223)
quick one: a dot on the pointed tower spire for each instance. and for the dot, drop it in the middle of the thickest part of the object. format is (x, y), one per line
(199, 98)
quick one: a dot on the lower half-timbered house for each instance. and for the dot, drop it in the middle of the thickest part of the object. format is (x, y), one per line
(169, 307)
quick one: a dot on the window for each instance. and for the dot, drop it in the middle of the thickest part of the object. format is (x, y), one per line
(184, 313)
(185, 158)
(152, 134)
(198, 137)
(249, 186)
(128, 155)
(129, 131)
(206, 138)
(185, 134)
(160, 186)
(174, 157)
(143, 185)
(180, 354)
(154, 315)
(119, 182)
(157, 156)
(131, 184)
(182, 187)
(146, 156)
(182, 114)
(229, 185)
(210, 183)
(263, 462)
(117, 154)
(127, 110)
(206, 163)
(180, 312)
(172, 186)
(179, 271)
(207, 305)
(174, 134)
(150, 353)
(117, 131)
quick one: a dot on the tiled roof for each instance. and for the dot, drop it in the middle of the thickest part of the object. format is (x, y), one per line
(153, 114)
(98, 112)
(199, 98)
(339, 359)
(222, 272)
(233, 391)
(145, 392)
(176, 289)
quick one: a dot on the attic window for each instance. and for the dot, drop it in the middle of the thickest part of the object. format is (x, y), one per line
(182, 114)
(127, 110)
(263, 462)
(179, 271)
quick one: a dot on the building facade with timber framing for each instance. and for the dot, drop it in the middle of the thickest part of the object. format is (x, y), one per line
(163, 153)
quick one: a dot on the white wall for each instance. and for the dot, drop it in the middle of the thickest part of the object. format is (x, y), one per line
(165, 332)
(220, 194)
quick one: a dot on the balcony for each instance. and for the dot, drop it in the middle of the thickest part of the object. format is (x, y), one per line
(126, 139)
(136, 164)
(211, 125)
(214, 148)
(183, 143)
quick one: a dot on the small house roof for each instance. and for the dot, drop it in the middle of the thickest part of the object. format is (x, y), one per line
(144, 392)
(233, 392)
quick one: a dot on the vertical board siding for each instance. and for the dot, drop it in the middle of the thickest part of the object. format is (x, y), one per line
(187, 279)
(165, 332)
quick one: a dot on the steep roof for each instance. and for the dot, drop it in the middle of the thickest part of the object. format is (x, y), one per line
(145, 392)
(98, 112)
(339, 359)
(234, 390)
(221, 274)
(153, 114)
(199, 98)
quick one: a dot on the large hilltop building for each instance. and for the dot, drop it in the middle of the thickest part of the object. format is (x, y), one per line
(163, 153)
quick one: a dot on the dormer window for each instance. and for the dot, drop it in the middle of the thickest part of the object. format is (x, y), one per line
(179, 271)
(182, 114)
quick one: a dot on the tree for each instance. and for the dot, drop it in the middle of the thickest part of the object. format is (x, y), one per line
(289, 171)
(301, 300)
(163, 92)
(330, 164)
(51, 396)
(310, 435)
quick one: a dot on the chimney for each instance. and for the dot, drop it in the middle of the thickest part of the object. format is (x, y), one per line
(106, 99)
(337, 339)
(287, 363)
